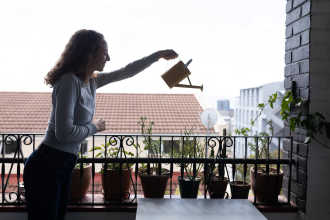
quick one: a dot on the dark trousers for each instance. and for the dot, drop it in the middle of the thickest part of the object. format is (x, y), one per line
(47, 181)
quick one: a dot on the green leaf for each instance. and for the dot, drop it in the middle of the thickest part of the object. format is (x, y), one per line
(261, 105)
(292, 123)
(99, 155)
(237, 131)
(272, 100)
(97, 148)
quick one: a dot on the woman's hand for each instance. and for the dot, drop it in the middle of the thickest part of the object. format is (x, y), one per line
(167, 54)
(100, 124)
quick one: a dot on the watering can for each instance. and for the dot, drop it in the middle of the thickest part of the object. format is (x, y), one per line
(177, 73)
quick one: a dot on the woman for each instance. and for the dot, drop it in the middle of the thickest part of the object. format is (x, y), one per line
(47, 171)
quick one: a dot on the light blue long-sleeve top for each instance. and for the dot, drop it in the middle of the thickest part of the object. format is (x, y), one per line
(73, 105)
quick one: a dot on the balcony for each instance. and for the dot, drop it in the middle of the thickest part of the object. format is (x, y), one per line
(226, 156)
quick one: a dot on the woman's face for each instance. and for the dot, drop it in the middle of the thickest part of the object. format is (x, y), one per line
(101, 57)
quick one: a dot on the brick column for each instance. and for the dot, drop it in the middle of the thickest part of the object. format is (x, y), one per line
(307, 59)
(297, 60)
(318, 184)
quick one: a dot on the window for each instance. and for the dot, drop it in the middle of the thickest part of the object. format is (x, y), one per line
(9, 147)
(167, 146)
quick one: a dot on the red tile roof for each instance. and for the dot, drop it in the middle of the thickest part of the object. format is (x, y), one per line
(28, 112)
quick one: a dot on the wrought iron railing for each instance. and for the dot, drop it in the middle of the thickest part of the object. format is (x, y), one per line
(229, 156)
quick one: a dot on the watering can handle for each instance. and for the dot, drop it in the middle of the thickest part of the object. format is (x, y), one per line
(186, 65)
(189, 61)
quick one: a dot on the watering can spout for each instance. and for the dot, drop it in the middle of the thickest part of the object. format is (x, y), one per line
(189, 86)
(177, 73)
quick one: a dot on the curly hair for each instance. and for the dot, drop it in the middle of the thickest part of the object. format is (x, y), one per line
(74, 58)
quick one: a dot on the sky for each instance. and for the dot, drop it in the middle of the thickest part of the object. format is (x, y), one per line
(234, 44)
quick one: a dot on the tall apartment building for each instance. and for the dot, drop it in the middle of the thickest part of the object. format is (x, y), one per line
(245, 110)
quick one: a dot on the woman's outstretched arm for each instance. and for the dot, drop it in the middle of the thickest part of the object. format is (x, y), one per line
(133, 68)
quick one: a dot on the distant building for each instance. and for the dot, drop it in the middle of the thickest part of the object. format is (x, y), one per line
(246, 110)
(223, 105)
(225, 114)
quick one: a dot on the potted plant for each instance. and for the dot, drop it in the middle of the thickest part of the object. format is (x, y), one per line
(216, 182)
(80, 180)
(189, 148)
(116, 177)
(266, 181)
(240, 187)
(153, 178)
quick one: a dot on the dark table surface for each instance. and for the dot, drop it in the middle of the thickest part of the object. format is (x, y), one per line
(193, 209)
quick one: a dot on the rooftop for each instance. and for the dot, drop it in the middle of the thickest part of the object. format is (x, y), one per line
(28, 112)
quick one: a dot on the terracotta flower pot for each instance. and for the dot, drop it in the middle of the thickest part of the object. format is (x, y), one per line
(116, 184)
(153, 185)
(266, 187)
(217, 187)
(239, 190)
(188, 188)
(80, 182)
